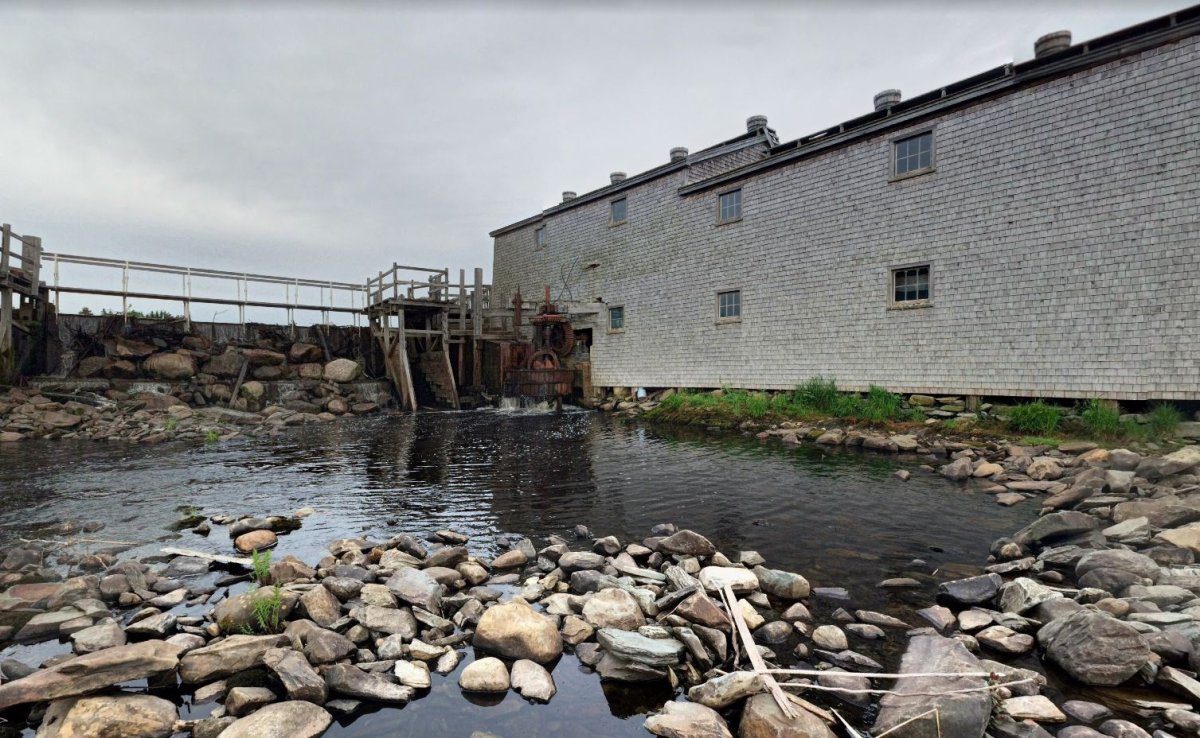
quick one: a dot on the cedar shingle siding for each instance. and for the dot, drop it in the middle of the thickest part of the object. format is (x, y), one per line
(1061, 226)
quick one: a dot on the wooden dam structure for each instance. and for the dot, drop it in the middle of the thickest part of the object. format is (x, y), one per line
(439, 339)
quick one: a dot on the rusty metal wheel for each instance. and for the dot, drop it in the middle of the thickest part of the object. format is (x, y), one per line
(536, 359)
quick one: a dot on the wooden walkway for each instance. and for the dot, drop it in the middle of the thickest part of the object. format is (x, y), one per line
(422, 321)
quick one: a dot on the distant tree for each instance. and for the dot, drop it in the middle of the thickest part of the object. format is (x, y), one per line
(85, 311)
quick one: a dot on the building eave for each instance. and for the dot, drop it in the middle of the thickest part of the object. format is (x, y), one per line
(1000, 80)
(764, 137)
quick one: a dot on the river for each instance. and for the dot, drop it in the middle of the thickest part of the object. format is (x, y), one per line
(842, 519)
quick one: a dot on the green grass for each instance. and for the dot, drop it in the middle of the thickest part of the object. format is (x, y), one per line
(1036, 418)
(1100, 419)
(171, 424)
(1161, 421)
(268, 612)
(1036, 423)
(212, 436)
(817, 398)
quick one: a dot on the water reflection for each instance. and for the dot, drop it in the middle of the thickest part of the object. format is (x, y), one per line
(842, 519)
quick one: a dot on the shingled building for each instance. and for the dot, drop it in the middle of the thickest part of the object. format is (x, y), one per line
(1033, 230)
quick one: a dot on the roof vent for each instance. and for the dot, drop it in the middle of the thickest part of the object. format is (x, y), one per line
(568, 195)
(887, 99)
(1052, 43)
(679, 153)
(616, 177)
(756, 123)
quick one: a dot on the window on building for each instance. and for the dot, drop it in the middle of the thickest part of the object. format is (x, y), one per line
(914, 154)
(616, 318)
(539, 237)
(729, 305)
(910, 285)
(729, 205)
(619, 211)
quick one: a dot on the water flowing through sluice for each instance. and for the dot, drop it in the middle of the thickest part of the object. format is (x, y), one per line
(843, 520)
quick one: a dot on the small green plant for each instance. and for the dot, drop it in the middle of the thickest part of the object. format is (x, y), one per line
(881, 405)
(261, 564)
(268, 611)
(1101, 419)
(1035, 417)
(211, 436)
(818, 393)
(1161, 421)
(172, 423)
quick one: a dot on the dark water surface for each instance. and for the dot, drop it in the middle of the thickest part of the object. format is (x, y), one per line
(841, 519)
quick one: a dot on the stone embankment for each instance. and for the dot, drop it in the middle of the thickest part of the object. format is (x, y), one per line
(155, 416)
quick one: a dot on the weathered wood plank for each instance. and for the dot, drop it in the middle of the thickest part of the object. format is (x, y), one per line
(216, 558)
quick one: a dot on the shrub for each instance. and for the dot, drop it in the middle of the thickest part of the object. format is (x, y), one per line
(212, 436)
(268, 612)
(881, 405)
(1161, 421)
(261, 564)
(1100, 418)
(1035, 417)
(819, 394)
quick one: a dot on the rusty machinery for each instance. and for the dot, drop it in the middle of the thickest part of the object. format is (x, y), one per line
(536, 369)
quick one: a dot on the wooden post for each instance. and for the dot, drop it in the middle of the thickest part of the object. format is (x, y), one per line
(6, 338)
(477, 328)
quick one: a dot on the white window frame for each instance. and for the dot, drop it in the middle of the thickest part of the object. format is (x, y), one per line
(608, 318)
(540, 239)
(895, 304)
(731, 318)
(893, 145)
(740, 208)
(612, 221)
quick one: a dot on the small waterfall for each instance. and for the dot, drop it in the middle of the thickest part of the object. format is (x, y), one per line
(525, 405)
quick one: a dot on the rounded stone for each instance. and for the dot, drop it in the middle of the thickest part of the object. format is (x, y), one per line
(485, 675)
(255, 540)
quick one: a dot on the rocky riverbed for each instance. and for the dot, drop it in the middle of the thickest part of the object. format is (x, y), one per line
(1076, 626)
(151, 417)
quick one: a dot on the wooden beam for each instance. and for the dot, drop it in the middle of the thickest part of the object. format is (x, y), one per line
(215, 558)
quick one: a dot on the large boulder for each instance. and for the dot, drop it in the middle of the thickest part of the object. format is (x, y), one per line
(1176, 462)
(304, 353)
(416, 588)
(485, 675)
(226, 365)
(1055, 526)
(613, 608)
(963, 715)
(263, 357)
(1094, 648)
(282, 720)
(351, 681)
(687, 720)
(237, 614)
(515, 630)
(782, 584)
(226, 658)
(110, 716)
(629, 646)
(296, 676)
(762, 718)
(342, 370)
(92, 672)
(170, 366)
(687, 543)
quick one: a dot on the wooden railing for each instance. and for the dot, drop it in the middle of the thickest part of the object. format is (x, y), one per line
(352, 295)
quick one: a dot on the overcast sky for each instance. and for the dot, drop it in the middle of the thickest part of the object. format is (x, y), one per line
(329, 140)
